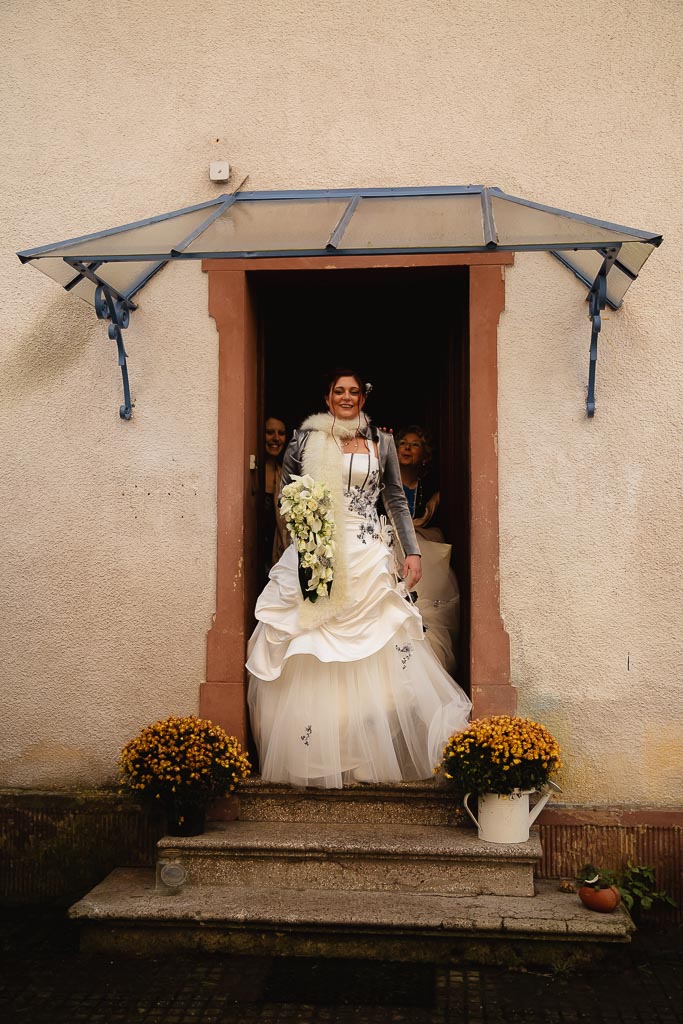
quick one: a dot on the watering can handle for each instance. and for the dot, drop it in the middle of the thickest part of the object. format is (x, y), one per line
(465, 805)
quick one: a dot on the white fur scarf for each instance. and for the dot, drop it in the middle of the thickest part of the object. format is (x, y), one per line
(323, 461)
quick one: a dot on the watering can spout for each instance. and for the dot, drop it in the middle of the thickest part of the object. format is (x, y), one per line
(540, 804)
(538, 807)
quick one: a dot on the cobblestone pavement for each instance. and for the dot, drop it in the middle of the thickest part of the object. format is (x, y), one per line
(45, 980)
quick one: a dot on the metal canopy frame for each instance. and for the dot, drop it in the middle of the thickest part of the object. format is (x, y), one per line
(590, 248)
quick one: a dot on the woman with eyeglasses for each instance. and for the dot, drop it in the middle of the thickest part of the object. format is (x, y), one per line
(438, 595)
(415, 452)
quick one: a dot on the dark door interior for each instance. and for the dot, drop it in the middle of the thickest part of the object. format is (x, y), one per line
(406, 331)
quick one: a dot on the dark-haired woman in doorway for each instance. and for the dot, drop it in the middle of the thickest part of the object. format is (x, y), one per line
(275, 536)
(345, 688)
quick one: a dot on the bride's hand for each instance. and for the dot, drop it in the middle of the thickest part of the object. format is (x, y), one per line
(412, 571)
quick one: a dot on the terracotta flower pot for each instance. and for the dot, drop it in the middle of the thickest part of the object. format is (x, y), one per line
(602, 900)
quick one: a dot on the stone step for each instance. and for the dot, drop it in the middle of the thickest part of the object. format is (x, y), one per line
(126, 913)
(364, 857)
(406, 803)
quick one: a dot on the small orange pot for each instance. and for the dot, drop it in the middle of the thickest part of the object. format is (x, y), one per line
(602, 900)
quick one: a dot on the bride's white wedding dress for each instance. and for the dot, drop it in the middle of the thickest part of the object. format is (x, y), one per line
(360, 698)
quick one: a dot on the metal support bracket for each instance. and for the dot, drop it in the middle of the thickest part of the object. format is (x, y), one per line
(115, 310)
(597, 300)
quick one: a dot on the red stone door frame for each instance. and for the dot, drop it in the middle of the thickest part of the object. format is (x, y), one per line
(222, 696)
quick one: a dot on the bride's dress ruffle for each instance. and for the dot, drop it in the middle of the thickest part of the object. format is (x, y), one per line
(361, 697)
(378, 612)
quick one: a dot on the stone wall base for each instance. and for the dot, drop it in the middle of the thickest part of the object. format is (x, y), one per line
(57, 845)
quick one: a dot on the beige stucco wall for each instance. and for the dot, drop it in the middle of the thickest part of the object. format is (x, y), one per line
(111, 113)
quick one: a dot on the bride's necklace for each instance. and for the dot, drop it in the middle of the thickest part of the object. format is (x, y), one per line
(348, 444)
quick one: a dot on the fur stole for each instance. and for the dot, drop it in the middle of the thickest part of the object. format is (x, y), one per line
(323, 461)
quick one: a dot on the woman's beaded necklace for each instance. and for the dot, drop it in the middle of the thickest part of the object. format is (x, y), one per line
(413, 497)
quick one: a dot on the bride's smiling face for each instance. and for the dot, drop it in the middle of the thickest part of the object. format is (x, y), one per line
(345, 399)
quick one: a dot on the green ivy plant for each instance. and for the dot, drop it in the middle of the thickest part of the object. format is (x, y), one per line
(637, 887)
(636, 883)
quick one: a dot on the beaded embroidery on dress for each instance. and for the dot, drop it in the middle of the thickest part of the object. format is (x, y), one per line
(360, 697)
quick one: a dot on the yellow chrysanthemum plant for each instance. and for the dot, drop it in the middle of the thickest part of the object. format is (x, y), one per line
(500, 754)
(181, 764)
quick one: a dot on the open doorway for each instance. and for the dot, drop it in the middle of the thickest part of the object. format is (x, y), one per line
(407, 331)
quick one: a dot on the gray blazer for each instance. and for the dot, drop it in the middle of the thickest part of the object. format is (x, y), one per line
(391, 487)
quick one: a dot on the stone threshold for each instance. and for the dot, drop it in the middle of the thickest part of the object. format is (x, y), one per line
(126, 912)
(428, 801)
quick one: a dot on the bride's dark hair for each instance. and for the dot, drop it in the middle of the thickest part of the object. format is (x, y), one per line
(331, 378)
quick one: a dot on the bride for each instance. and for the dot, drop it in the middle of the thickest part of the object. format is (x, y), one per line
(346, 689)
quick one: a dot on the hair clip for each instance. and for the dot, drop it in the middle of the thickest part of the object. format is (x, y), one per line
(368, 388)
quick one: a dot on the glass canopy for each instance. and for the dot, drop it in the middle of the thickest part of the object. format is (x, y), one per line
(108, 268)
(347, 222)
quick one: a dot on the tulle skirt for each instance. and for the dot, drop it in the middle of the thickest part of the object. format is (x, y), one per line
(361, 698)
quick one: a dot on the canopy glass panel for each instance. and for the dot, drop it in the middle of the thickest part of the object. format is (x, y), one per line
(632, 255)
(415, 222)
(126, 278)
(277, 225)
(520, 225)
(56, 268)
(157, 236)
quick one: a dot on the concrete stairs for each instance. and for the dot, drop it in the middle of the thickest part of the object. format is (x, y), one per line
(360, 858)
(368, 871)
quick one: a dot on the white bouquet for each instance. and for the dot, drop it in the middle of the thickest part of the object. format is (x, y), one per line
(306, 507)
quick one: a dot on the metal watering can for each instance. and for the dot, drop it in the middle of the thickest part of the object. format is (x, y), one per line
(507, 819)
